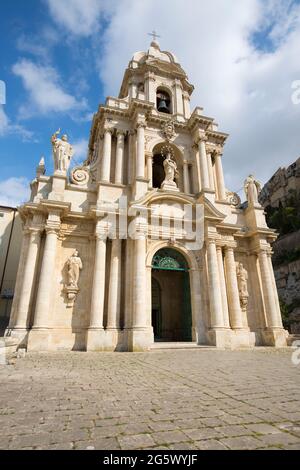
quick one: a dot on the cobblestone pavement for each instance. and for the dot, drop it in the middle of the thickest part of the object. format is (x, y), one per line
(188, 399)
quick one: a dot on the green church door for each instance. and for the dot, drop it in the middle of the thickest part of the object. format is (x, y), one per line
(171, 298)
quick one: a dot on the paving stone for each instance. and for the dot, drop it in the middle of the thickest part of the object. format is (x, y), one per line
(169, 437)
(140, 441)
(263, 428)
(184, 400)
(241, 443)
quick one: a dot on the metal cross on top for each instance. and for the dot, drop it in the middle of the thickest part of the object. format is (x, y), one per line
(154, 35)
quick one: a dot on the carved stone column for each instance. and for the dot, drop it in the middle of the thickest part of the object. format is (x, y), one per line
(140, 158)
(235, 311)
(269, 254)
(215, 300)
(203, 163)
(271, 308)
(26, 287)
(220, 175)
(210, 168)
(43, 300)
(139, 282)
(106, 156)
(223, 287)
(141, 335)
(149, 169)
(119, 157)
(98, 287)
(186, 179)
(114, 292)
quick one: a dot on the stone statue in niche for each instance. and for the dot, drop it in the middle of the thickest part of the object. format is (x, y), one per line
(242, 278)
(252, 188)
(62, 152)
(170, 168)
(74, 266)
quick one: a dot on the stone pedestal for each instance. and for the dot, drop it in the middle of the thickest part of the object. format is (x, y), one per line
(59, 180)
(140, 339)
(169, 186)
(98, 339)
(221, 338)
(38, 339)
(275, 337)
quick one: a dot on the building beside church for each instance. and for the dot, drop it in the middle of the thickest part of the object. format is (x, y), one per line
(10, 246)
(143, 242)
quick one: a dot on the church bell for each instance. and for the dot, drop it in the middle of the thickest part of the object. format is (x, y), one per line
(162, 106)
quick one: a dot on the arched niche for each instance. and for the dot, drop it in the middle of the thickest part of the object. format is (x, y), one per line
(158, 173)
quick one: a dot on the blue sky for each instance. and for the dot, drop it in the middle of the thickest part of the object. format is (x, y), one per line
(60, 58)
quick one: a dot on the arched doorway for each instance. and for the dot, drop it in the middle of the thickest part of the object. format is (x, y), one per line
(171, 299)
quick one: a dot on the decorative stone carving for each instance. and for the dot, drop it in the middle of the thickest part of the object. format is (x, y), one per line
(171, 172)
(80, 175)
(242, 277)
(62, 152)
(168, 130)
(74, 265)
(233, 198)
(252, 189)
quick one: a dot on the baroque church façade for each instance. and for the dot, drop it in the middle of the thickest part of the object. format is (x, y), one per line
(108, 260)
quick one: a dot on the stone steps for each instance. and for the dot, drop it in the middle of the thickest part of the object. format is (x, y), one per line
(177, 345)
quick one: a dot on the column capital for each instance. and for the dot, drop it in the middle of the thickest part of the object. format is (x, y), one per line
(148, 154)
(51, 229)
(120, 133)
(108, 130)
(218, 151)
(141, 124)
(200, 136)
(230, 246)
(186, 162)
(210, 148)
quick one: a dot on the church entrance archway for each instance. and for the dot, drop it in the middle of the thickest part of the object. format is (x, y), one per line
(171, 298)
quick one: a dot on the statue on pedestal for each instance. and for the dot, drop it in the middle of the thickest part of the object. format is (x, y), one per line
(252, 188)
(170, 168)
(62, 152)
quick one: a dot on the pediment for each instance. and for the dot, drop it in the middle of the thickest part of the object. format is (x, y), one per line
(169, 200)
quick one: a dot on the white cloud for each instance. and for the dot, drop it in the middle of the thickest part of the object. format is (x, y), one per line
(46, 93)
(80, 148)
(80, 18)
(6, 128)
(248, 91)
(14, 191)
